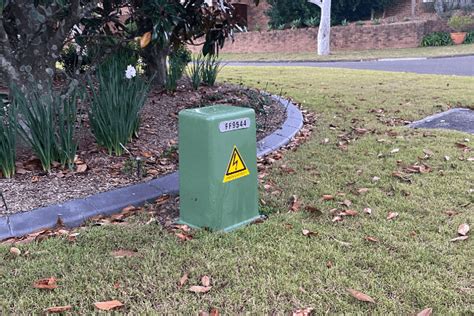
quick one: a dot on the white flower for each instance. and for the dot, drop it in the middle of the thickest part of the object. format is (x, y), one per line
(130, 72)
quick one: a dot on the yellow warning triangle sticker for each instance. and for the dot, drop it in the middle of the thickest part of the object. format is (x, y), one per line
(236, 167)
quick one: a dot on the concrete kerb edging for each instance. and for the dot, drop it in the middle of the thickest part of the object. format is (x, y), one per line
(75, 212)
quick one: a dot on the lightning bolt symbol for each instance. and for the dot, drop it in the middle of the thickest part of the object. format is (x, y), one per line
(235, 163)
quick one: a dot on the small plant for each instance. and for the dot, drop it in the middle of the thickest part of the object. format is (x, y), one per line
(115, 106)
(375, 21)
(436, 39)
(359, 23)
(461, 23)
(178, 60)
(312, 22)
(344, 22)
(281, 27)
(194, 71)
(48, 124)
(211, 66)
(296, 24)
(469, 38)
(7, 138)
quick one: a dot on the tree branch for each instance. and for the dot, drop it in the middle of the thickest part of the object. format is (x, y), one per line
(319, 3)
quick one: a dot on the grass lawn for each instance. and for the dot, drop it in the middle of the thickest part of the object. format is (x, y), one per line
(272, 267)
(354, 55)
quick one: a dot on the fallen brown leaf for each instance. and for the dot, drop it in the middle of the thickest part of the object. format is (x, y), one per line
(460, 238)
(337, 219)
(200, 289)
(15, 251)
(121, 253)
(46, 284)
(372, 239)
(463, 229)
(108, 305)
(425, 312)
(58, 309)
(206, 281)
(81, 168)
(184, 236)
(302, 312)
(308, 233)
(329, 264)
(362, 190)
(392, 215)
(328, 197)
(214, 312)
(368, 210)
(294, 204)
(183, 279)
(361, 296)
(349, 213)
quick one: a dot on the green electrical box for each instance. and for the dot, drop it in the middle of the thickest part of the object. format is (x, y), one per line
(218, 167)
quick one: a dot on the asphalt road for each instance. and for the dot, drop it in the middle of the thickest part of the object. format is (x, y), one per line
(458, 66)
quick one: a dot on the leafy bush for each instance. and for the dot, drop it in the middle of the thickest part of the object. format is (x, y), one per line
(296, 24)
(437, 39)
(469, 38)
(461, 23)
(312, 22)
(211, 66)
(47, 123)
(7, 138)
(194, 71)
(115, 105)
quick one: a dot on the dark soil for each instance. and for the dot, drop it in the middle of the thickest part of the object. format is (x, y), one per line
(156, 145)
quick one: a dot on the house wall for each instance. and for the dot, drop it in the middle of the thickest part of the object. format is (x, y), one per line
(353, 37)
(256, 17)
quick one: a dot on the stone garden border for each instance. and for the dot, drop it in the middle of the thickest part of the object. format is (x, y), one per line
(75, 212)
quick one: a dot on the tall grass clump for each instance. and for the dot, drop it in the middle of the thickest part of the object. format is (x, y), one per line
(47, 121)
(211, 66)
(177, 61)
(117, 98)
(194, 71)
(7, 138)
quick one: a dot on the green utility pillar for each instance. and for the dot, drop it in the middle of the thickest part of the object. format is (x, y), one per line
(218, 167)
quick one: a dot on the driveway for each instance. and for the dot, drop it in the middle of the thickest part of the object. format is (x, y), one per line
(458, 66)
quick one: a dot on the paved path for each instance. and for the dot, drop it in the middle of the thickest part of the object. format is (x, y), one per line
(459, 66)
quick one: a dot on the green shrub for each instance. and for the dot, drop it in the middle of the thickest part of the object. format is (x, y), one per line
(437, 39)
(72, 60)
(194, 71)
(296, 24)
(7, 138)
(211, 66)
(461, 23)
(469, 38)
(312, 21)
(48, 122)
(115, 105)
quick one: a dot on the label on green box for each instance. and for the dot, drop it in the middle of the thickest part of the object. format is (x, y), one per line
(236, 168)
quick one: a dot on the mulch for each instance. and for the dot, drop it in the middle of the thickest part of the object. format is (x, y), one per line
(156, 145)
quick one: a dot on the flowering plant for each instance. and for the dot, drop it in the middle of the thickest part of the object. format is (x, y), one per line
(131, 72)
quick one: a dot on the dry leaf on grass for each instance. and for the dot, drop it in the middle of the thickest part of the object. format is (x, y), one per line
(108, 305)
(425, 312)
(121, 253)
(349, 213)
(46, 284)
(392, 215)
(15, 251)
(460, 238)
(302, 312)
(337, 219)
(183, 279)
(372, 239)
(294, 204)
(328, 197)
(463, 229)
(58, 309)
(361, 296)
(214, 312)
(368, 210)
(308, 233)
(200, 289)
(206, 281)
(184, 236)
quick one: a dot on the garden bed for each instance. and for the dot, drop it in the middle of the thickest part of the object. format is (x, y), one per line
(156, 146)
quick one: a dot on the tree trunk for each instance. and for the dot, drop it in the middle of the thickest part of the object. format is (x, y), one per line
(324, 33)
(155, 59)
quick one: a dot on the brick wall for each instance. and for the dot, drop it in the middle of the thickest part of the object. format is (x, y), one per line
(352, 37)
